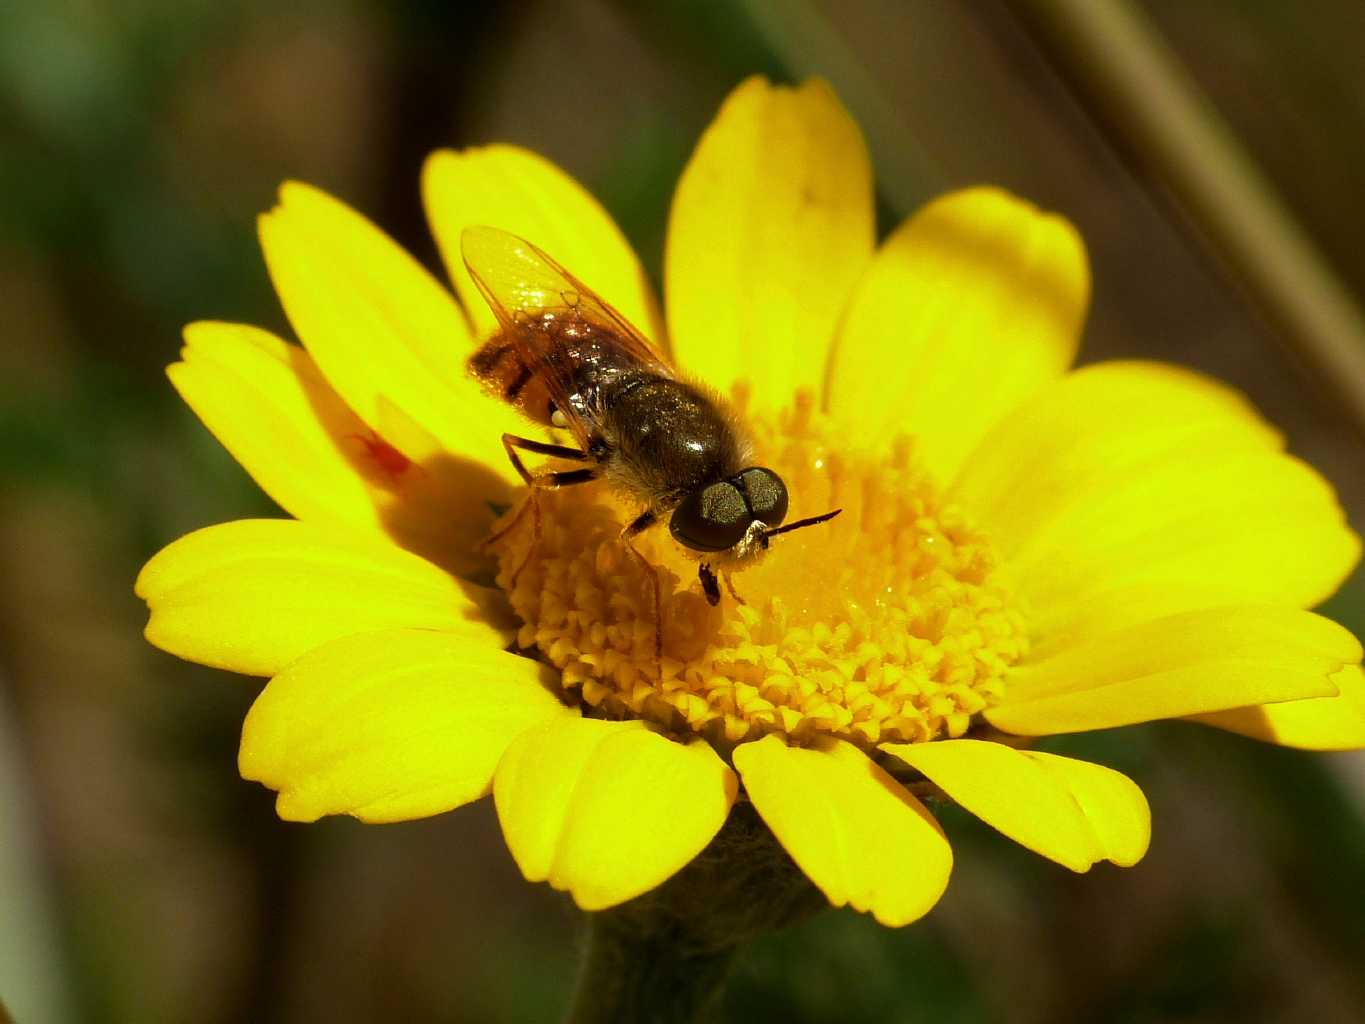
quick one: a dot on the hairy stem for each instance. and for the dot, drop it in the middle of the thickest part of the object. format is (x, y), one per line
(638, 970)
(664, 955)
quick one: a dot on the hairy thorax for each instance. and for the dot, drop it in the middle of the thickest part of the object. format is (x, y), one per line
(670, 438)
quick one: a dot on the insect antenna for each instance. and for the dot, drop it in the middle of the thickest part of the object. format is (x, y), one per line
(800, 523)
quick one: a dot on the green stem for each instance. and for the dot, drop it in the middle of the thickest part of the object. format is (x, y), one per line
(638, 969)
(664, 955)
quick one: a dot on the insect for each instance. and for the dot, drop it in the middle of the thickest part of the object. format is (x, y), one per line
(565, 358)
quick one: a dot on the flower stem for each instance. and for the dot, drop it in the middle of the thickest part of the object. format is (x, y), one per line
(664, 955)
(635, 972)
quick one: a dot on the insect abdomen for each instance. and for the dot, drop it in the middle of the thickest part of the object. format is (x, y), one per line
(499, 368)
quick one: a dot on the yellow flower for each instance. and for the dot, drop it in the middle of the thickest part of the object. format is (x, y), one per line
(1023, 550)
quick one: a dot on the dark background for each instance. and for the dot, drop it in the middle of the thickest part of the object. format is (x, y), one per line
(141, 880)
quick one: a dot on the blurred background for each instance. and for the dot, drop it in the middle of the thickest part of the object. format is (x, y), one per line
(142, 880)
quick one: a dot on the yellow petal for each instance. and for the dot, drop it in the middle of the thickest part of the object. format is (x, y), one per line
(1318, 723)
(268, 405)
(854, 830)
(1099, 424)
(608, 810)
(392, 725)
(971, 306)
(1185, 664)
(251, 596)
(772, 223)
(1110, 801)
(387, 337)
(1249, 528)
(1073, 812)
(1132, 491)
(518, 191)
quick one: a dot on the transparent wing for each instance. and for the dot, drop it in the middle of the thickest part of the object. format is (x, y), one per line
(554, 321)
(516, 277)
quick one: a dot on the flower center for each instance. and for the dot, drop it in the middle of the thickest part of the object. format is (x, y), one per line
(885, 624)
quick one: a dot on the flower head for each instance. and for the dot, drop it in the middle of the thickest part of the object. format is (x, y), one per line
(1023, 551)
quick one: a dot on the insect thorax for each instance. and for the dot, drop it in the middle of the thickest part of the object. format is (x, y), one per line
(669, 438)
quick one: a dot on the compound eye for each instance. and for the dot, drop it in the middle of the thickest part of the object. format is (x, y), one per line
(767, 494)
(712, 519)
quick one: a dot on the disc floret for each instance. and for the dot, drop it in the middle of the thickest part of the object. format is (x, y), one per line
(888, 625)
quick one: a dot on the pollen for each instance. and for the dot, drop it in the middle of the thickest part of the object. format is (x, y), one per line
(886, 624)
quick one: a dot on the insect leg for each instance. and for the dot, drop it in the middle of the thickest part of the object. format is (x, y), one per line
(565, 478)
(730, 586)
(533, 500)
(639, 525)
(511, 442)
(708, 584)
(498, 535)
